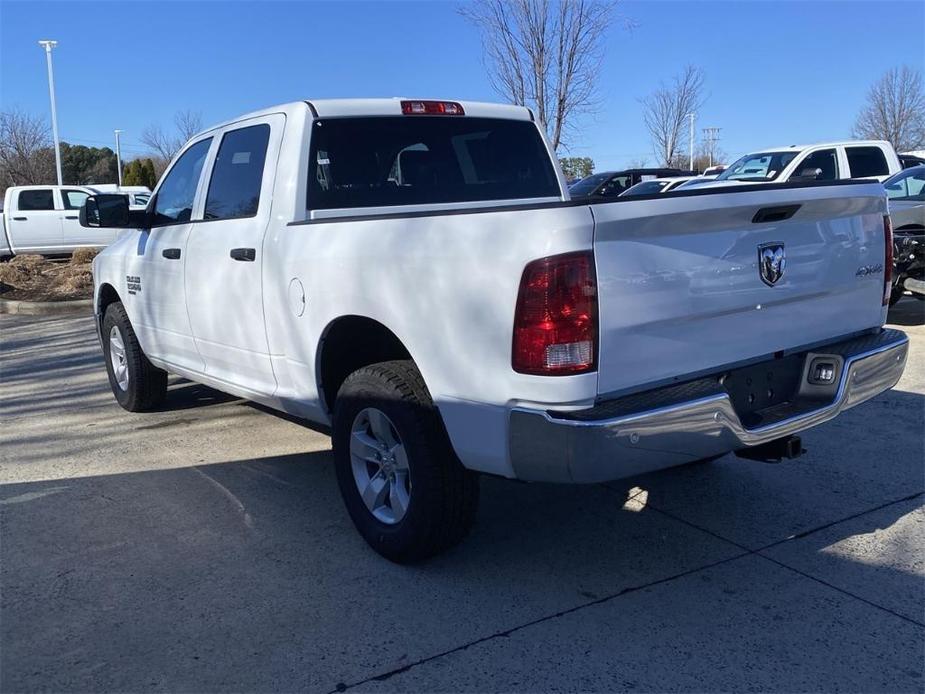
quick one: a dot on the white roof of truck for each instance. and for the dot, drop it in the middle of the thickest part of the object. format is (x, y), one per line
(334, 108)
(840, 143)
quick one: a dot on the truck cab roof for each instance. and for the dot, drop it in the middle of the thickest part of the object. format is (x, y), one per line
(341, 108)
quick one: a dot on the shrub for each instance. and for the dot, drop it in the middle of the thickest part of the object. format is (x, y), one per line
(83, 256)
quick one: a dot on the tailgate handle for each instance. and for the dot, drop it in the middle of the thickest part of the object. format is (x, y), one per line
(775, 214)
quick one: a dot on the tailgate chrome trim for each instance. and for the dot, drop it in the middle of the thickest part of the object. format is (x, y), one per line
(546, 448)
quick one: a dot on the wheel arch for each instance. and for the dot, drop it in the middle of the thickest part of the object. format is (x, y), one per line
(105, 296)
(349, 343)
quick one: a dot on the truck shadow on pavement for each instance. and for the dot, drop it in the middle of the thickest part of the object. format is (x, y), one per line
(248, 574)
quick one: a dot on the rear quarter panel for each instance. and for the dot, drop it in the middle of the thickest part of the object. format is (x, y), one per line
(446, 286)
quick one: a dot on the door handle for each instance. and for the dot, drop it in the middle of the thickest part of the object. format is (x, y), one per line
(244, 254)
(74, 216)
(171, 253)
(20, 219)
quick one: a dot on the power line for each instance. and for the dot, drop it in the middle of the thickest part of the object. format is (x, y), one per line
(711, 137)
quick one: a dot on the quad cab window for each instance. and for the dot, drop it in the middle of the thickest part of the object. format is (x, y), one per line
(177, 192)
(234, 190)
(34, 200)
(388, 161)
(819, 166)
(74, 199)
(867, 162)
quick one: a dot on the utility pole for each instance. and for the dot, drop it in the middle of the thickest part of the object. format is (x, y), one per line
(118, 157)
(711, 135)
(48, 45)
(691, 143)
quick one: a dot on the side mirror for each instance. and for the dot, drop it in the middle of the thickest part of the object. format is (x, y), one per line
(107, 210)
(808, 175)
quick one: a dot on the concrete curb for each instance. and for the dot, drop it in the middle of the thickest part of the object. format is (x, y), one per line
(45, 308)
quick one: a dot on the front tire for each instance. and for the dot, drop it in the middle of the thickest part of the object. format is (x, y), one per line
(136, 383)
(405, 490)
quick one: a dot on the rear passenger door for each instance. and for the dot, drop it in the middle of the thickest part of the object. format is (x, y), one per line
(35, 224)
(224, 269)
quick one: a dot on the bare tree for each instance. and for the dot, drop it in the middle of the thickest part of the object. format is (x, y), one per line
(165, 145)
(665, 113)
(545, 55)
(26, 156)
(895, 110)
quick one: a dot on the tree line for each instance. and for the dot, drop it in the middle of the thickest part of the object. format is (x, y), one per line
(27, 155)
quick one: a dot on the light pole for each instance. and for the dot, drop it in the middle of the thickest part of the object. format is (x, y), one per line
(54, 111)
(118, 157)
(691, 166)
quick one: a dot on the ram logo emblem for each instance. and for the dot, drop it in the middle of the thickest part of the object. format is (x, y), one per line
(772, 259)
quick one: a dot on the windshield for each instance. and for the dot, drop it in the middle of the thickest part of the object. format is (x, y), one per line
(907, 185)
(414, 160)
(766, 166)
(586, 186)
(645, 188)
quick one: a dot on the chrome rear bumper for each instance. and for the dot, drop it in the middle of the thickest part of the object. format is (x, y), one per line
(550, 447)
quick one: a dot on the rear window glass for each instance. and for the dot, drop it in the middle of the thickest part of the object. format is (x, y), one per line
(36, 200)
(413, 160)
(866, 162)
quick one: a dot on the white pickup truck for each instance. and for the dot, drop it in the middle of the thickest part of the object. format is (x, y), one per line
(414, 274)
(44, 220)
(827, 161)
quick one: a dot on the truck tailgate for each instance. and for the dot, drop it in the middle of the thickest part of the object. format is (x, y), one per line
(680, 287)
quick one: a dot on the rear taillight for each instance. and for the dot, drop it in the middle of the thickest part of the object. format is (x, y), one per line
(555, 321)
(888, 259)
(432, 108)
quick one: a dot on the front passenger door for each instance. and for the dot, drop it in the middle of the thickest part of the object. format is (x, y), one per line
(154, 282)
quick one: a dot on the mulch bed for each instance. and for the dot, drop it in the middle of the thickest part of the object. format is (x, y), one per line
(35, 278)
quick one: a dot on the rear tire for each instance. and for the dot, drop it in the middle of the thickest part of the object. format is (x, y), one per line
(136, 383)
(390, 448)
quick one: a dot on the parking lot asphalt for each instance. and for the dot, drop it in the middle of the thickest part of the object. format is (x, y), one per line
(205, 548)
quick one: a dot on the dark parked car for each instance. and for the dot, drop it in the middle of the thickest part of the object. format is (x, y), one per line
(906, 191)
(610, 184)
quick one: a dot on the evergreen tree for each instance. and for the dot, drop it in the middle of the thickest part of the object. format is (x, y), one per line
(149, 178)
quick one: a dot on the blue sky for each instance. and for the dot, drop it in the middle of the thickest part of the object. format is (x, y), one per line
(777, 72)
